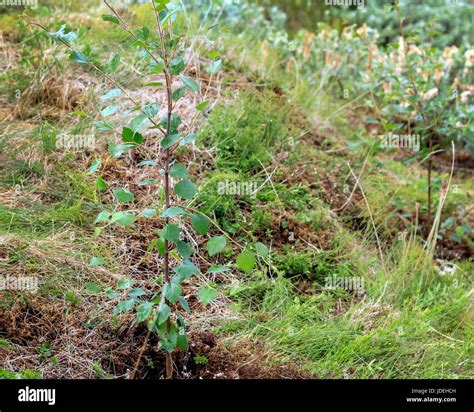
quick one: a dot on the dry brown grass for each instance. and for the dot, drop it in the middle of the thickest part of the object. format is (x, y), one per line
(53, 94)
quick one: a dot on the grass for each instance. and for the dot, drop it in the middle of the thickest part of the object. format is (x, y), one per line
(247, 131)
(367, 340)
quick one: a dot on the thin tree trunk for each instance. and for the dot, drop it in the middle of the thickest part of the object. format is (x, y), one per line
(169, 95)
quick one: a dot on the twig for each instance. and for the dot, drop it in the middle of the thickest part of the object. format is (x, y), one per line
(140, 355)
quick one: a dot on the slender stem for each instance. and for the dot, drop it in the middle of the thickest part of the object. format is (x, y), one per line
(169, 94)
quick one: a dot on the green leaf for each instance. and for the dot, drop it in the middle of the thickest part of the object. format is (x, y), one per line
(157, 68)
(216, 245)
(246, 261)
(111, 294)
(94, 167)
(144, 33)
(179, 93)
(124, 284)
(164, 313)
(188, 139)
(143, 312)
(177, 65)
(169, 14)
(111, 18)
(136, 293)
(190, 84)
(214, 68)
(123, 218)
(148, 163)
(161, 247)
(148, 213)
(114, 64)
(139, 122)
(182, 341)
(173, 211)
(148, 182)
(175, 122)
(169, 340)
(111, 94)
(129, 136)
(123, 196)
(169, 141)
(218, 269)
(179, 171)
(139, 43)
(173, 292)
(124, 307)
(92, 288)
(185, 189)
(262, 250)
(171, 232)
(151, 109)
(95, 261)
(70, 37)
(100, 184)
(102, 217)
(118, 150)
(184, 304)
(207, 295)
(186, 270)
(161, 4)
(184, 249)
(153, 84)
(109, 111)
(132, 110)
(201, 106)
(78, 57)
(200, 224)
(104, 126)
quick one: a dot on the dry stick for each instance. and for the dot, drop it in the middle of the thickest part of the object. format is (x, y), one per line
(355, 184)
(432, 238)
(280, 203)
(371, 218)
(140, 354)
